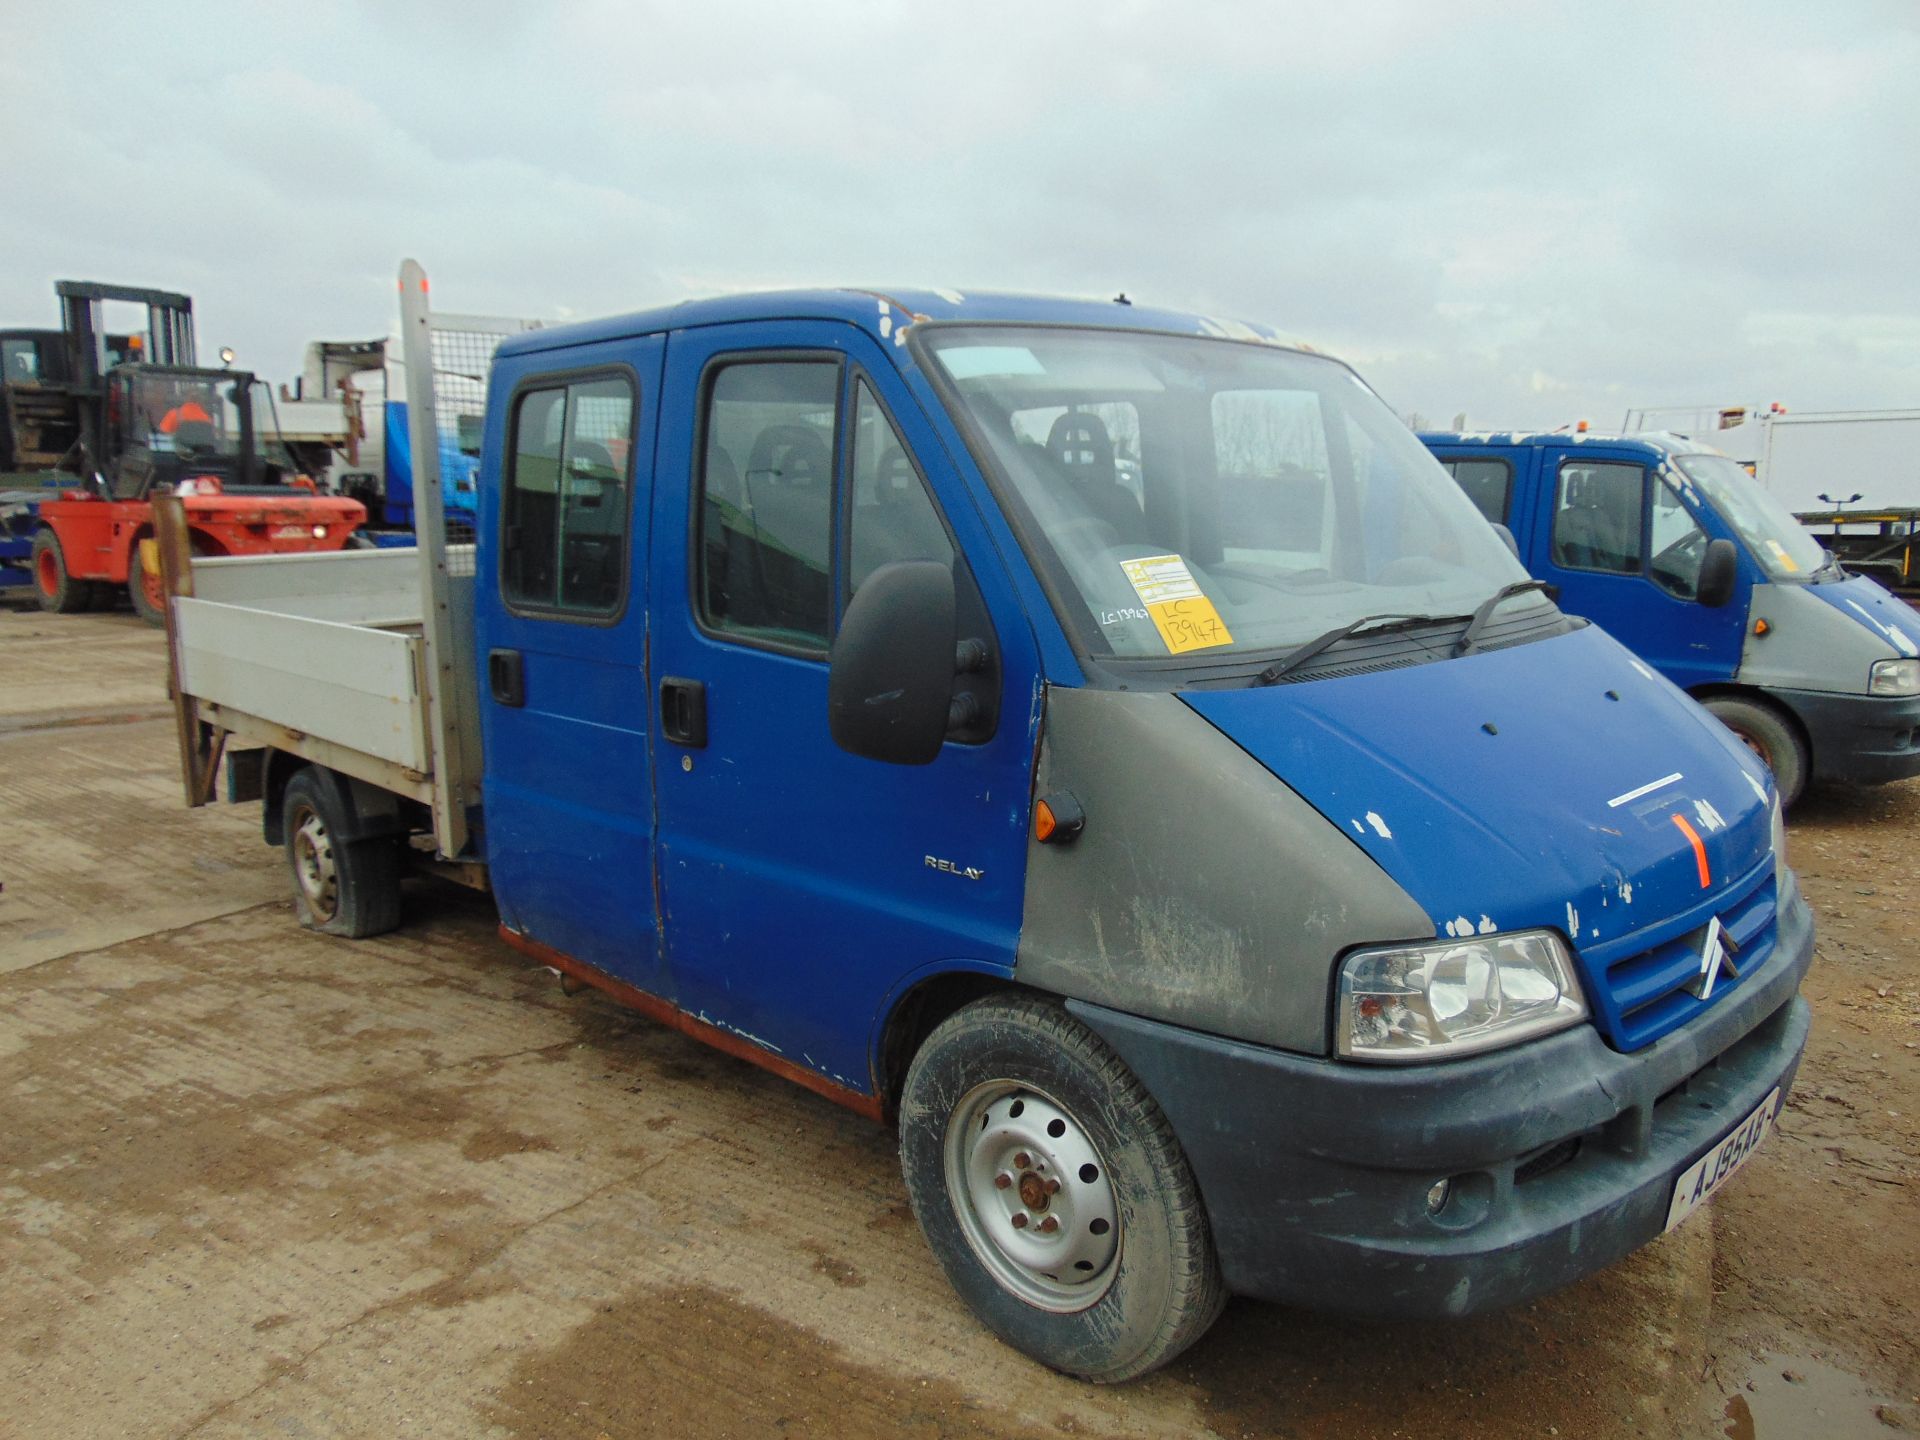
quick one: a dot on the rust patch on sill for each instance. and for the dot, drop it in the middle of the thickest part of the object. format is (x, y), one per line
(665, 1013)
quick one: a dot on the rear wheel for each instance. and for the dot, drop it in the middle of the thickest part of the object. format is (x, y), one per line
(340, 886)
(148, 589)
(53, 586)
(1053, 1192)
(1769, 735)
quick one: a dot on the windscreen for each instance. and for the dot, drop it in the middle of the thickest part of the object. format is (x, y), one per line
(1190, 495)
(1773, 537)
(175, 414)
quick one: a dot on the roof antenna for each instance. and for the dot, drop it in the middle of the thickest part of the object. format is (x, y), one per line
(1121, 299)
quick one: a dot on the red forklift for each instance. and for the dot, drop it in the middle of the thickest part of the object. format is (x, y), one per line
(131, 416)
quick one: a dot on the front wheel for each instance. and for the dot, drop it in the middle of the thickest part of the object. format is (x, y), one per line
(1771, 737)
(53, 585)
(1053, 1192)
(341, 886)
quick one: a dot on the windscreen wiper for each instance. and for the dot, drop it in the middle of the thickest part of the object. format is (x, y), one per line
(1485, 612)
(1393, 620)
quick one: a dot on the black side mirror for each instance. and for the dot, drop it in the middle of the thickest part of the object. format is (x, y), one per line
(1719, 569)
(1506, 538)
(890, 673)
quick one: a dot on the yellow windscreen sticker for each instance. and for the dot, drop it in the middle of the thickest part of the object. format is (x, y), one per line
(1780, 554)
(1179, 608)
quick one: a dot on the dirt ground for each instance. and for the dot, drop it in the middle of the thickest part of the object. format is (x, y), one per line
(257, 1181)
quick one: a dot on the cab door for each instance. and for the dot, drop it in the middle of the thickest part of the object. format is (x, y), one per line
(803, 885)
(561, 620)
(1624, 547)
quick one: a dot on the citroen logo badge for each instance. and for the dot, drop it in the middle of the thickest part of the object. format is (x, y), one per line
(1716, 956)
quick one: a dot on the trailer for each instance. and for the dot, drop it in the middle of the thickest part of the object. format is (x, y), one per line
(1813, 460)
(1882, 543)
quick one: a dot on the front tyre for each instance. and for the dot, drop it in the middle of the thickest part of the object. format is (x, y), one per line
(1053, 1192)
(1771, 736)
(341, 886)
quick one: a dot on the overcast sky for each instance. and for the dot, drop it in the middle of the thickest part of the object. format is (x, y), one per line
(1527, 212)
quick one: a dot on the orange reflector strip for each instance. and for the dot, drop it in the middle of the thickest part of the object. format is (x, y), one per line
(1699, 850)
(1044, 823)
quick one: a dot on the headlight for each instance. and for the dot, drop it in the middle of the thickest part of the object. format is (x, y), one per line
(1458, 997)
(1894, 677)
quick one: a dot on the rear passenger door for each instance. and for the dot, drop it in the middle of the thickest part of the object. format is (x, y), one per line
(562, 629)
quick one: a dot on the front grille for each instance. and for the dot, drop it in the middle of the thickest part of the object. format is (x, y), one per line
(1646, 992)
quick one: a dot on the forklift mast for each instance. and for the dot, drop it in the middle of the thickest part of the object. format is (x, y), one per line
(168, 339)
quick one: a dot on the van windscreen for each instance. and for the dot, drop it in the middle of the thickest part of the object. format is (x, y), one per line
(1200, 495)
(1781, 544)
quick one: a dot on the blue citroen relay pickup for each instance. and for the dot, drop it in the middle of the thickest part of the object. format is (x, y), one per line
(1694, 566)
(1102, 741)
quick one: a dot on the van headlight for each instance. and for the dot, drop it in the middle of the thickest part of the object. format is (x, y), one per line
(1894, 677)
(1457, 997)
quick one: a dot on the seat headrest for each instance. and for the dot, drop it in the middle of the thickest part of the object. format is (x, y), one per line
(1079, 444)
(791, 455)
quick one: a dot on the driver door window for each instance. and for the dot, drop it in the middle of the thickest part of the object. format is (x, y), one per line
(1677, 543)
(766, 503)
(1596, 517)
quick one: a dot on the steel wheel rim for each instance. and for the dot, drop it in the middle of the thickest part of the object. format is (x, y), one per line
(313, 867)
(997, 1126)
(47, 572)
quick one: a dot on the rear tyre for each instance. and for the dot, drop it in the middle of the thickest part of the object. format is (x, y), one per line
(147, 589)
(55, 589)
(340, 886)
(1053, 1192)
(1770, 736)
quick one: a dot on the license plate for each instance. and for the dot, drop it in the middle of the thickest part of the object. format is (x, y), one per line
(1707, 1174)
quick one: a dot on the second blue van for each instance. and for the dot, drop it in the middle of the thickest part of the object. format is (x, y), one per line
(1701, 572)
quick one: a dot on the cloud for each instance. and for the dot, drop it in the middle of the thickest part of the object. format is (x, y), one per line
(1490, 207)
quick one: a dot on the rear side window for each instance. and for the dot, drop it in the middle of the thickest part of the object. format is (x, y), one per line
(566, 504)
(765, 551)
(1596, 517)
(1487, 483)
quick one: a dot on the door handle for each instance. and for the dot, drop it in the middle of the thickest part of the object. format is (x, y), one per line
(506, 677)
(683, 711)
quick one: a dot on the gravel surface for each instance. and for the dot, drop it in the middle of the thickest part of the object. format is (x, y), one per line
(257, 1181)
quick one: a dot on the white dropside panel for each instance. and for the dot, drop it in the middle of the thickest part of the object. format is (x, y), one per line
(353, 587)
(356, 687)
